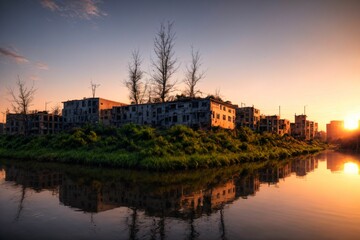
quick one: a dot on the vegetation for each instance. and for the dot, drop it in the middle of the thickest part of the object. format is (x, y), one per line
(143, 147)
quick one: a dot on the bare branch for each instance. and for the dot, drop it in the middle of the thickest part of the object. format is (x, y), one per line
(22, 100)
(165, 64)
(193, 74)
(134, 82)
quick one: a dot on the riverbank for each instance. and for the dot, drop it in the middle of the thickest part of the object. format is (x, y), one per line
(143, 147)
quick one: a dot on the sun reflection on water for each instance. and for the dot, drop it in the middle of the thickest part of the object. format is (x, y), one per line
(351, 168)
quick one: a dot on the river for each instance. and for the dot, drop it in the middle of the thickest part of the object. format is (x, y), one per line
(311, 197)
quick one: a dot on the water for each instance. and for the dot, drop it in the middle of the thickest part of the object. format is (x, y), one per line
(314, 197)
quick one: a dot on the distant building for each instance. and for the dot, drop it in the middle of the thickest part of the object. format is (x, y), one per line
(335, 130)
(38, 123)
(284, 127)
(248, 117)
(304, 129)
(2, 128)
(88, 110)
(199, 113)
(269, 124)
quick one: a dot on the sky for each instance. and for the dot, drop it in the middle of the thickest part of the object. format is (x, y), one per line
(299, 55)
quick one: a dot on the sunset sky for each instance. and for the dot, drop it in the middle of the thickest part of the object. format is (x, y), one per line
(284, 53)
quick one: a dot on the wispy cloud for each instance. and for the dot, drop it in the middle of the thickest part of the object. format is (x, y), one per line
(84, 9)
(34, 78)
(13, 55)
(50, 4)
(42, 66)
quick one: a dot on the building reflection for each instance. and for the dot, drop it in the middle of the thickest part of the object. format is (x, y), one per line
(336, 162)
(2, 174)
(37, 180)
(303, 166)
(177, 200)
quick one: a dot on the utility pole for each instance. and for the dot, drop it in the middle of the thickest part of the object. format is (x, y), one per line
(279, 111)
(94, 86)
(305, 109)
(46, 103)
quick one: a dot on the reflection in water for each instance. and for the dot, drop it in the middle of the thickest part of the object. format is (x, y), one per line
(351, 168)
(184, 196)
(2, 174)
(187, 200)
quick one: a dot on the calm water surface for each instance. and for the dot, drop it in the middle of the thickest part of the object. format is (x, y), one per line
(314, 197)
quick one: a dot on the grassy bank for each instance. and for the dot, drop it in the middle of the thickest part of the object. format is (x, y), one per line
(143, 147)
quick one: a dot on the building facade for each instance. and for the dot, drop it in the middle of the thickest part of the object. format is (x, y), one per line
(87, 111)
(335, 130)
(303, 128)
(198, 113)
(248, 117)
(37, 123)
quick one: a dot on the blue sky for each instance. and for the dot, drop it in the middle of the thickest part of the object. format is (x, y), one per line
(262, 53)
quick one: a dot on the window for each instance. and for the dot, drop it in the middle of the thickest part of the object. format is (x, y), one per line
(218, 116)
(229, 118)
(195, 104)
(174, 119)
(224, 117)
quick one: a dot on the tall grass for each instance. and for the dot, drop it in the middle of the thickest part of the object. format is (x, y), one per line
(143, 147)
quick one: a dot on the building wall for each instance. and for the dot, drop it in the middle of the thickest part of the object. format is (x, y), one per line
(284, 127)
(202, 113)
(87, 110)
(37, 123)
(270, 124)
(2, 128)
(222, 115)
(248, 117)
(304, 129)
(334, 130)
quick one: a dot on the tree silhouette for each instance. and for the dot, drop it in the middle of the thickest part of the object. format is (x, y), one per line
(193, 74)
(165, 64)
(134, 83)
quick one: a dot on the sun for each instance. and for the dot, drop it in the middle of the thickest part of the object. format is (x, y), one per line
(351, 123)
(351, 168)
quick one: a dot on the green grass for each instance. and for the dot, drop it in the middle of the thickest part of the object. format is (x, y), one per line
(143, 147)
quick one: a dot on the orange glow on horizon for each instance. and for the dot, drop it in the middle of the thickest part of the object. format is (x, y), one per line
(351, 168)
(351, 122)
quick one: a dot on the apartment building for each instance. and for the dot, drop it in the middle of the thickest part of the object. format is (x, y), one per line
(304, 129)
(198, 113)
(269, 123)
(2, 128)
(335, 130)
(248, 117)
(88, 110)
(274, 124)
(37, 123)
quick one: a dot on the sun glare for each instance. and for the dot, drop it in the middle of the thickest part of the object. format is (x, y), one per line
(351, 123)
(351, 168)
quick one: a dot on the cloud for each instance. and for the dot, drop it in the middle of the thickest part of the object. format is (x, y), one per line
(42, 66)
(13, 55)
(34, 78)
(50, 4)
(84, 9)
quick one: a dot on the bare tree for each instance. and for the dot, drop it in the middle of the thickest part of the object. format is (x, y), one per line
(193, 74)
(165, 64)
(94, 86)
(56, 110)
(134, 83)
(22, 98)
(21, 101)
